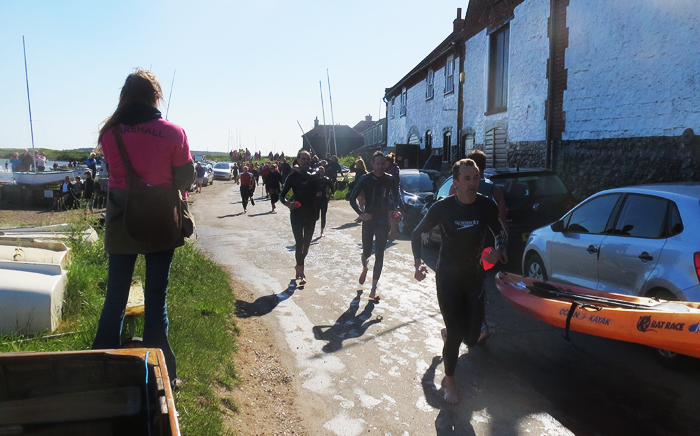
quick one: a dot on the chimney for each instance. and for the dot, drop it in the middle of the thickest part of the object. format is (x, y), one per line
(458, 23)
(368, 117)
(316, 122)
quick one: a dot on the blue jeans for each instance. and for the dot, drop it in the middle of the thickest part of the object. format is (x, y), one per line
(155, 330)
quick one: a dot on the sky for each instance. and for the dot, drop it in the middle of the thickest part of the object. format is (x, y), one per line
(244, 71)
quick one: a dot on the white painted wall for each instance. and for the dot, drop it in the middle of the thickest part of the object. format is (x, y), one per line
(527, 81)
(434, 114)
(633, 68)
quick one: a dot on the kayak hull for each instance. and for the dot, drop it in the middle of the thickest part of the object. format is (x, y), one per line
(671, 326)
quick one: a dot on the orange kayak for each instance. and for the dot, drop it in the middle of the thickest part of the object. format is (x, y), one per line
(669, 325)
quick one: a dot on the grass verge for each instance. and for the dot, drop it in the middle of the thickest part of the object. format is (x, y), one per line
(202, 325)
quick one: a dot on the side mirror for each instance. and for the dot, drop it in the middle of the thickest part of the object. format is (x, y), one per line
(429, 198)
(557, 226)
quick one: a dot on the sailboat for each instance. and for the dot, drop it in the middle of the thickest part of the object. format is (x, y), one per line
(33, 177)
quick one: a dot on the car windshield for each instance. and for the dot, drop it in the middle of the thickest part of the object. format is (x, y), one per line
(527, 185)
(416, 182)
(221, 165)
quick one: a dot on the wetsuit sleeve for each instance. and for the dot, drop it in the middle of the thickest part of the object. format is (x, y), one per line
(183, 175)
(355, 194)
(429, 221)
(286, 188)
(500, 235)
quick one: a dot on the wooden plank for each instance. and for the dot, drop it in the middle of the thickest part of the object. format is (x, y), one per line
(99, 404)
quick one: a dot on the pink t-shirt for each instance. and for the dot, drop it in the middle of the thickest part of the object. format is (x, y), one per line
(153, 148)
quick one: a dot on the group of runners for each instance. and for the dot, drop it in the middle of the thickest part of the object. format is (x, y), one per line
(464, 219)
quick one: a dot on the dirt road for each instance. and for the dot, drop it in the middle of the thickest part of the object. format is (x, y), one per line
(355, 367)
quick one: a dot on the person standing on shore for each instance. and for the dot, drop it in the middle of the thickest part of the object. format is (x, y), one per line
(88, 191)
(159, 160)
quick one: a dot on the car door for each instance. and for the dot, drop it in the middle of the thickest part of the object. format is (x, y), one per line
(573, 253)
(631, 252)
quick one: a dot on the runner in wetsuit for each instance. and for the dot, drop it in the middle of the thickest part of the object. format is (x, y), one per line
(464, 219)
(380, 191)
(323, 185)
(302, 208)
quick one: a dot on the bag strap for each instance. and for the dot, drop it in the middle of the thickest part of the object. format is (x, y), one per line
(117, 132)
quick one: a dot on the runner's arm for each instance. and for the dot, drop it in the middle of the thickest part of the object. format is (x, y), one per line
(355, 193)
(429, 221)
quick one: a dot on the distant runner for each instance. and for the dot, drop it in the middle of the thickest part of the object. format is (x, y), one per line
(464, 219)
(380, 192)
(247, 188)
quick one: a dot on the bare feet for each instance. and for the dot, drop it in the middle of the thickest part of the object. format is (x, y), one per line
(449, 387)
(485, 334)
(300, 274)
(363, 276)
(373, 294)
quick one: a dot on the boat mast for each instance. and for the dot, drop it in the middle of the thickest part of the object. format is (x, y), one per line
(325, 129)
(330, 97)
(171, 94)
(26, 75)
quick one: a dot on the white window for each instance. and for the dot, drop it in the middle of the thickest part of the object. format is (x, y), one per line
(404, 97)
(429, 82)
(449, 75)
(391, 109)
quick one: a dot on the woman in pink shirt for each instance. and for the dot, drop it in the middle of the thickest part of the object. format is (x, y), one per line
(160, 155)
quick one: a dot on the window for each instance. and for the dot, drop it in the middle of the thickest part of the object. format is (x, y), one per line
(404, 97)
(429, 84)
(449, 75)
(642, 217)
(391, 109)
(498, 71)
(446, 146)
(593, 216)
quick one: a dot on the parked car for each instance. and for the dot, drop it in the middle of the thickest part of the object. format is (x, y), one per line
(223, 170)
(534, 197)
(638, 240)
(415, 186)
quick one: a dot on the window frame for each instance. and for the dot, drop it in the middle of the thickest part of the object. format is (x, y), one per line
(498, 69)
(404, 102)
(449, 75)
(430, 84)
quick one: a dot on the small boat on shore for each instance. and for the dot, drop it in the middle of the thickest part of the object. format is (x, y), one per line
(42, 178)
(667, 325)
(99, 392)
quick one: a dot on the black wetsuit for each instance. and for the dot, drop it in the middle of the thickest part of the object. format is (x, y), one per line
(459, 273)
(322, 185)
(303, 219)
(273, 181)
(381, 196)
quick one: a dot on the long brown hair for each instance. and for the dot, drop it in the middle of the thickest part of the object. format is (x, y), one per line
(141, 87)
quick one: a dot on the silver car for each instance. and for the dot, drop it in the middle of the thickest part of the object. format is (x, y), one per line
(223, 170)
(639, 240)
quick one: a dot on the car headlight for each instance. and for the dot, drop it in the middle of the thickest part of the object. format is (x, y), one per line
(414, 201)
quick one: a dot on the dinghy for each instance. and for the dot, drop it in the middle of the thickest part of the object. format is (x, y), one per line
(105, 392)
(667, 325)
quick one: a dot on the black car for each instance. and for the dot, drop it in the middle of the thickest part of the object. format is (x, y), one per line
(415, 186)
(534, 197)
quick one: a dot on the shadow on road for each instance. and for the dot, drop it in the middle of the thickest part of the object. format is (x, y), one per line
(230, 216)
(349, 325)
(269, 212)
(263, 305)
(346, 226)
(451, 420)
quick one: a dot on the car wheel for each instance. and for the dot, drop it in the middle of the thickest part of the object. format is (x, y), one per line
(534, 267)
(425, 240)
(212, 182)
(667, 358)
(402, 226)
